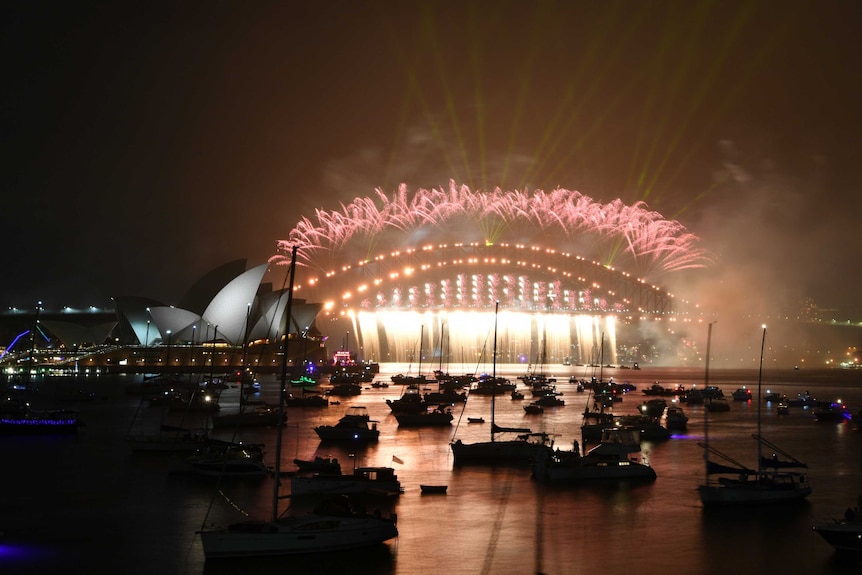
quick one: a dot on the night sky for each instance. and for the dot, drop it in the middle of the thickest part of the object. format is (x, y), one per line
(145, 143)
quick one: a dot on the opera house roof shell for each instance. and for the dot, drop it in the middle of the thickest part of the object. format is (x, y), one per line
(230, 304)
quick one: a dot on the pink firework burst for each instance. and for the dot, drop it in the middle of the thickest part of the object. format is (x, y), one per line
(651, 244)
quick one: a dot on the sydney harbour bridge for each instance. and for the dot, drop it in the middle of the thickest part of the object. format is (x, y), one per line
(554, 306)
(392, 294)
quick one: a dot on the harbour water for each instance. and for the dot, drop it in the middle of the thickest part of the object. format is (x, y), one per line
(87, 504)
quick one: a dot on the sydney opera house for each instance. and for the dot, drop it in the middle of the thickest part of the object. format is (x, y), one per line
(225, 310)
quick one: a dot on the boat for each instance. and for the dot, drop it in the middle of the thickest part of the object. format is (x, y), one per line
(803, 400)
(741, 394)
(318, 465)
(492, 385)
(521, 450)
(534, 408)
(773, 481)
(169, 439)
(18, 418)
(305, 400)
(650, 429)
(550, 401)
(410, 402)
(675, 418)
(438, 417)
(195, 402)
(333, 525)
(656, 389)
(716, 405)
(844, 534)
(611, 459)
(433, 489)
(475, 420)
(345, 389)
(258, 416)
(362, 481)
(653, 408)
(356, 425)
(227, 459)
(834, 411)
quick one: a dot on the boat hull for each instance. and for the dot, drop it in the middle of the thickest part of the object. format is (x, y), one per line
(497, 452)
(314, 535)
(844, 536)
(334, 434)
(750, 494)
(598, 472)
(61, 423)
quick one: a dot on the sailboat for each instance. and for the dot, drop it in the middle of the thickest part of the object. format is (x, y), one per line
(413, 382)
(774, 481)
(260, 415)
(334, 524)
(522, 450)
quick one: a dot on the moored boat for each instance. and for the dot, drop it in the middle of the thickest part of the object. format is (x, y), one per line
(318, 465)
(334, 525)
(614, 458)
(430, 418)
(18, 418)
(773, 481)
(355, 426)
(432, 489)
(227, 459)
(844, 534)
(363, 481)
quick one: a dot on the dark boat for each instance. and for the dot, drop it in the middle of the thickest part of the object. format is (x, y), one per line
(431, 418)
(432, 489)
(845, 535)
(354, 426)
(318, 465)
(17, 418)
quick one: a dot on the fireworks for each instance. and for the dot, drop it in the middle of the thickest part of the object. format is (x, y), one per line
(651, 244)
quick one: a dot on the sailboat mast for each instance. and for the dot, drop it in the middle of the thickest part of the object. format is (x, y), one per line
(759, 382)
(421, 337)
(494, 370)
(275, 483)
(602, 360)
(440, 367)
(244, 358)
(705, 407)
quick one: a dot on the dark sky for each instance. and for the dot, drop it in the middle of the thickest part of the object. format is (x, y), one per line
(145, 143)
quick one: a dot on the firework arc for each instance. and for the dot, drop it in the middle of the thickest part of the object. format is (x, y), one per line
(652, 245)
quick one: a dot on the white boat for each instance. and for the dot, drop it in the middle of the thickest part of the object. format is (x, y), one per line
(522, 450)
(614, 458)
(731, 483)
(332, 526)
(363, 481)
